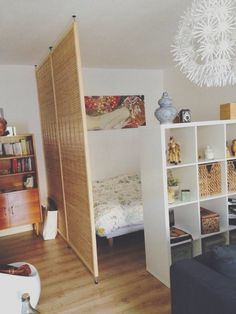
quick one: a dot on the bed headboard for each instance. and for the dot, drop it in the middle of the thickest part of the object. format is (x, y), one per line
(113, 152)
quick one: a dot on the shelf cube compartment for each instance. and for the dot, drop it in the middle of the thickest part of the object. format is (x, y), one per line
(211, 179)
(181, 251)
(186, 143)
(213, 136)
(232, 237)
(186, 218)
(209, 243)
(219, 207)
(187, 177)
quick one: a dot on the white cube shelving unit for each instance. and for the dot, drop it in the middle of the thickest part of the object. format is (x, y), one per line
(193, 138)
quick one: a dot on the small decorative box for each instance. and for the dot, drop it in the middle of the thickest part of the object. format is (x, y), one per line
(228, 111)
(209, 221)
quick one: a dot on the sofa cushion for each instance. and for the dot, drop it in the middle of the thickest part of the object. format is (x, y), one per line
(223, 260)
(204, 259)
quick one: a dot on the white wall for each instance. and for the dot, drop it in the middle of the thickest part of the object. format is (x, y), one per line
(204, 102)
(18, 98)
(114, 152)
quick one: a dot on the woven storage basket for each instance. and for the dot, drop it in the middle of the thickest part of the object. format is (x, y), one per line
(231, 176)
(209, 179)
(209, 221)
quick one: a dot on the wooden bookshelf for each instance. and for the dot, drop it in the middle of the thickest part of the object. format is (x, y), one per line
(19, 195)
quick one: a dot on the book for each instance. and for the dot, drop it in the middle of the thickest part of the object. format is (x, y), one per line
(23, 147)
(8, 149)
(29, 147)
(29, 164)
(14, 166)
(232, 200)
(178, 235)
(17, 149)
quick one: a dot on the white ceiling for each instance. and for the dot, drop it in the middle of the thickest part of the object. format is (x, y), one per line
(113, 33)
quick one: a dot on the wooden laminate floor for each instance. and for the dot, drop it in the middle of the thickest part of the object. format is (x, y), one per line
(67, 287)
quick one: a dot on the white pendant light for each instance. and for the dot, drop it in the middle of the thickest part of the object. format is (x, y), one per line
(205, 44)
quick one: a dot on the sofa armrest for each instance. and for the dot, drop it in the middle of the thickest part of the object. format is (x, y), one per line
(197, 289)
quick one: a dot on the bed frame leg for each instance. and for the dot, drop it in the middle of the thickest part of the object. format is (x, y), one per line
(111, 242)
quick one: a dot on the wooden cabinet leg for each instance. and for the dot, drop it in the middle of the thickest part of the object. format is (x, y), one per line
(111, 242)
(36, 228)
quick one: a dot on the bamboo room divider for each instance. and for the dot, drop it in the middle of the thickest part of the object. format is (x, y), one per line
(49, 127)
(71, 132)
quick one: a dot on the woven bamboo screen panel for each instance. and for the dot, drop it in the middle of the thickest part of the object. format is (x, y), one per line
(50, 139)
(231, 176)
(210, 179)
(74, 151)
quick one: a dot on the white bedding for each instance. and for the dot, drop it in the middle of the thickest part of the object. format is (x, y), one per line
(117, 203)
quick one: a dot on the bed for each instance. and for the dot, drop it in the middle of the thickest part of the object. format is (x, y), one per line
(118, 206)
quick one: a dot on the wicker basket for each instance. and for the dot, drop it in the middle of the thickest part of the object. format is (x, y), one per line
(231, 176)
(209, 179)
(209, 221)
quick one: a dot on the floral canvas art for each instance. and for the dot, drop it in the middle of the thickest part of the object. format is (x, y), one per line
(114, 112)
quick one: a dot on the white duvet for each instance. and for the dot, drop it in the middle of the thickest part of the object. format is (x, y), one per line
(117, 203)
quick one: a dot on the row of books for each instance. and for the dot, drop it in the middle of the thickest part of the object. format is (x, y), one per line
(23, 147)
(22, 165)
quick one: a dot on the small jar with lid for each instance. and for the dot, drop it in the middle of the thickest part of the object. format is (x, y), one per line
(185, 195)
(209, 154)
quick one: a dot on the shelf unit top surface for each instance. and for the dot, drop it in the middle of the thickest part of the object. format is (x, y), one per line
(193, 124)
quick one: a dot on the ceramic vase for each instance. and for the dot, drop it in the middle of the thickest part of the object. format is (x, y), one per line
(167, 112)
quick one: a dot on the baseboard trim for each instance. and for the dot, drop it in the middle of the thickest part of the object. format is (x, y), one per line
(15, 230)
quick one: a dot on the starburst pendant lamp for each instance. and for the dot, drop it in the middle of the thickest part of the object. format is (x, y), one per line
(205, 44)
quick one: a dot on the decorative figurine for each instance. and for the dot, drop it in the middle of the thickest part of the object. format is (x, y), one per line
(209, 154)
(173, 151)
(167, 112)
(29, 182)
(233, 147)
(185, 115)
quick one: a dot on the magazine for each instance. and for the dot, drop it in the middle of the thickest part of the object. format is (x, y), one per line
(178, 235)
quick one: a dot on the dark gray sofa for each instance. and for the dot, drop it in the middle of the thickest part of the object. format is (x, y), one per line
(197, 288)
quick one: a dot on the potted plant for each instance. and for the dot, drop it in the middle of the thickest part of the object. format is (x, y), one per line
(173, 187)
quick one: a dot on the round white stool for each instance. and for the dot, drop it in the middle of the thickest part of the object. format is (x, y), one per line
(13, 286)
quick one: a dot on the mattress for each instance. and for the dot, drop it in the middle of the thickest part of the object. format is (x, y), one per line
(117, 204)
